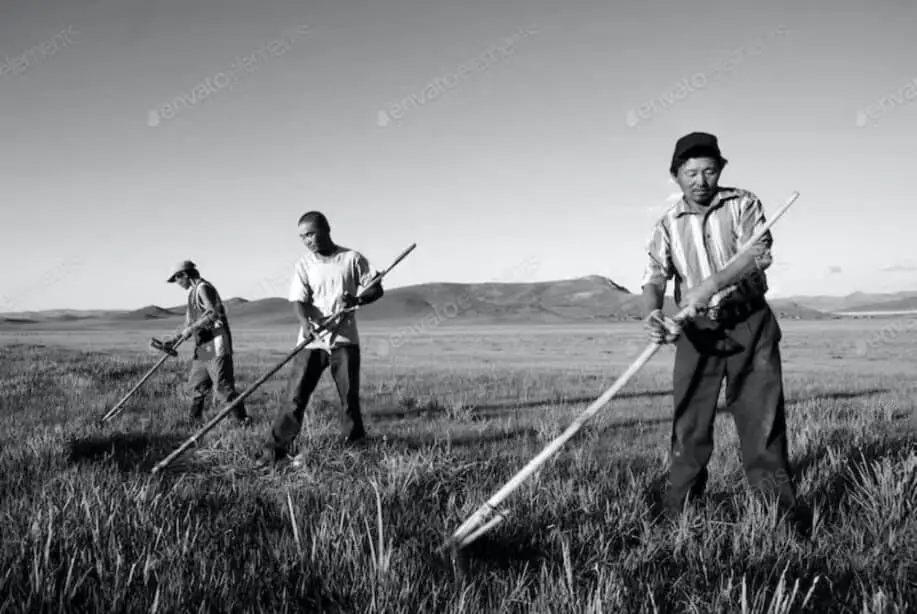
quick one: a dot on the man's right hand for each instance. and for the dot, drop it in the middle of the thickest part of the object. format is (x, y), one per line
(661, 328)
(309, 326)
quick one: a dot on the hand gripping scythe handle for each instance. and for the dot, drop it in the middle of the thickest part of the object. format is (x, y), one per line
(475, 525)
(114, 411)
(323, 325)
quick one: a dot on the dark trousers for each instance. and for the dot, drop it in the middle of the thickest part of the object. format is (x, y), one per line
(204, 372)
(308, 367)
(747, 354)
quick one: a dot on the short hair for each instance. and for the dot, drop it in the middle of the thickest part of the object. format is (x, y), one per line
(193, 273)
(316, 217)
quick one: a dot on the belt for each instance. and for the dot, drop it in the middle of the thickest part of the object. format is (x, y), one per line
(733, 311)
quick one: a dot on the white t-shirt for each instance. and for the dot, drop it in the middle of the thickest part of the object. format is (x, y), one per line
(322, 281)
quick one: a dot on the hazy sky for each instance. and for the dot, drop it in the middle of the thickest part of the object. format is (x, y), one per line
(506, 157)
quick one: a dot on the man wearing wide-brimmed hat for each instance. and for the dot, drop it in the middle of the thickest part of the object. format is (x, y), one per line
(212, 360)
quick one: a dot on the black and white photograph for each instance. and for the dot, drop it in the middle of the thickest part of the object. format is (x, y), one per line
(458, 307)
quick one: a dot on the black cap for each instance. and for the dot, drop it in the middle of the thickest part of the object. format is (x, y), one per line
(695, 145)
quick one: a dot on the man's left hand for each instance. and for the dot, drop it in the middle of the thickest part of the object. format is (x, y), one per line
(349, 300)
(698, 298)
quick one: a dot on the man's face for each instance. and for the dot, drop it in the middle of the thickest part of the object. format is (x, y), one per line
(182, 280)
(698, 179)
(314, 237)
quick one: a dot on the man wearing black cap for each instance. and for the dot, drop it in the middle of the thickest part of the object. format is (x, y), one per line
(731, 331)
(212, 358)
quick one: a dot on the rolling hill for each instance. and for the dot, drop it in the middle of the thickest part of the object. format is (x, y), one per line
(150, 312)
(902, 304)
(586, 299)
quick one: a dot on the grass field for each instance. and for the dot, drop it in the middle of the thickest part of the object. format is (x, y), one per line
(452, 415)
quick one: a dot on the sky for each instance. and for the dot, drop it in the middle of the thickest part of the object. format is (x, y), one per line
(512, 140)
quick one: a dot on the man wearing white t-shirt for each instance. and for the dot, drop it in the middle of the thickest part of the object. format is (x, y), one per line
(326, 279)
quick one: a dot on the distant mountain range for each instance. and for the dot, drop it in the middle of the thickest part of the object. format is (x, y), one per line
(859, 302)
(585, 299)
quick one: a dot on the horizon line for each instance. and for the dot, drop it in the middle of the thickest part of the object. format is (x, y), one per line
(779, 296)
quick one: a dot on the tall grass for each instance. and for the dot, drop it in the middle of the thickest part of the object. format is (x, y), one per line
(87, 528)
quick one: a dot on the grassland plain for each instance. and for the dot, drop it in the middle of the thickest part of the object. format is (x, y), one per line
(453, 414)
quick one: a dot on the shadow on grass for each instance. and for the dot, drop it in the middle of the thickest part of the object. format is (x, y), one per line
(633, 423)
(523, 434)
(534, 545)
(535, 541)
(839, 395)
(502, 553)
(832, 495)
(426, 441)
(483, 411)
(822, 396)
(654, 495)
(255, 530)
(644, 394)
(128, 451)
(569, 401)
(129, 373)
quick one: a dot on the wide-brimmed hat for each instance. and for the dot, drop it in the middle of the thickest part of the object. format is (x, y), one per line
(182, 267)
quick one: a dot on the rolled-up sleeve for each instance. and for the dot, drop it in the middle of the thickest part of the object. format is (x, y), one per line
(364, 270)
(751, 219)
(659, 269)
(300, 291)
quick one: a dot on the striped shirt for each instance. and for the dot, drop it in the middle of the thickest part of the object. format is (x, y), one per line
(690, 243)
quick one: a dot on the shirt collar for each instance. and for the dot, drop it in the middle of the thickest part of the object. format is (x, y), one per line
(721, 196)
(335, 250)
